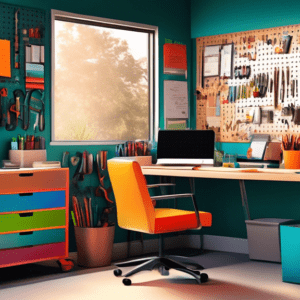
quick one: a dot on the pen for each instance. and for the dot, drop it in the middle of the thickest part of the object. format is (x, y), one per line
(32, 143)
(73, 218)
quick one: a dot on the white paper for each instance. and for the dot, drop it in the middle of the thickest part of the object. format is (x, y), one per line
(211, 61)
(35, 53)
(258, 149)
(226, 61)
(176, 99)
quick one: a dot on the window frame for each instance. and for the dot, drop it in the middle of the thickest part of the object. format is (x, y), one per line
(152, 72)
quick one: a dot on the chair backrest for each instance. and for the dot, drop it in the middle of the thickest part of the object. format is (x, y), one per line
(135, 210)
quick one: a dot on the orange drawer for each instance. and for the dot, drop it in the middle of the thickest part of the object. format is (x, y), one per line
(22, 181)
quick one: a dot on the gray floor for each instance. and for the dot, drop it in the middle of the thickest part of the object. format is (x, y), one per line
(232, 276)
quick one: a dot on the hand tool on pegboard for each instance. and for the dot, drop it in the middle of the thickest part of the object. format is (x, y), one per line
(3, 93)
(17, 62)
(101, 163)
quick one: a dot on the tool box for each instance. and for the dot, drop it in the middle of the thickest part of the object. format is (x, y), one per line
(264, 238)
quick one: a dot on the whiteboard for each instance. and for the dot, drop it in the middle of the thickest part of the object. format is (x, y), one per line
(176, 99)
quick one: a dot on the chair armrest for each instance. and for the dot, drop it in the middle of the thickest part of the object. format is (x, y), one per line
(172, 196)
(165, 197)
(150, 186)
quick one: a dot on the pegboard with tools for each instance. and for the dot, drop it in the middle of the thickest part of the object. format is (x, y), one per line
(260, 94)
(21, 28)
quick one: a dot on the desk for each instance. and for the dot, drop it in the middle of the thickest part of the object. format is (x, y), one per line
(220, 173)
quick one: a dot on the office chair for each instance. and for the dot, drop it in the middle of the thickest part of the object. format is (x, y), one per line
(136, 212)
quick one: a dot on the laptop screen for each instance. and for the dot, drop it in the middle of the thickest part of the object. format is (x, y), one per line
(186, 146)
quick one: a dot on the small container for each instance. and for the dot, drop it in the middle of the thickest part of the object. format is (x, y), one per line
(229, 160)
(94, 245)
(256, 94)
(14, 145)
(291, 159)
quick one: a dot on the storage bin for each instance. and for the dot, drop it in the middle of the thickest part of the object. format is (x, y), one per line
(290, 252)
(94, 245)
(264, 238)
(26, 157)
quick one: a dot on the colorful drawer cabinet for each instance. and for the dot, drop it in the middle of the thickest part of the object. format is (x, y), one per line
(34, 216)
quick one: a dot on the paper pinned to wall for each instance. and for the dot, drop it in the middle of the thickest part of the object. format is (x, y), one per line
(176, 124)
(211, 61)
(176, 99)
(5, 68)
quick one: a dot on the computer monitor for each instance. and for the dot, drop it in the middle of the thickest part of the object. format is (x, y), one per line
(185, 147)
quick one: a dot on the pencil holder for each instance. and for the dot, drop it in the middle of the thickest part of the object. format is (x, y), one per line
(291, 159)
(94, 245)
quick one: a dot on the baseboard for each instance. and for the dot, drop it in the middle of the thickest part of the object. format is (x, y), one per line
(225, 244)
(209, 242)
(120, 250)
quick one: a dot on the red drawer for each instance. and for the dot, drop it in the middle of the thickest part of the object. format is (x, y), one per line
(17, 256)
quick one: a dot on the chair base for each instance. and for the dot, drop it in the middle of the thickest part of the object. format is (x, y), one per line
(163, 264)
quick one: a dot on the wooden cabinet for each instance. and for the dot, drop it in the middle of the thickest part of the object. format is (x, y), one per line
(34, 216)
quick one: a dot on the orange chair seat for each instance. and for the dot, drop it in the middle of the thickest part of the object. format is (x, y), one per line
(170, 220)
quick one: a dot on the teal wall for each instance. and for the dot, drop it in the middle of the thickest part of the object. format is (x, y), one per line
(218, 17)
(222, 197)
(173, 19)
(179, 20)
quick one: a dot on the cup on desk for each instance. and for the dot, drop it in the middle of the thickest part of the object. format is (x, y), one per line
(291, 159)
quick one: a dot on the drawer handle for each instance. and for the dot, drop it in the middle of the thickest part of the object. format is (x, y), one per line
(26, 214)
(26, 194)
(26, 233)
(25, 174)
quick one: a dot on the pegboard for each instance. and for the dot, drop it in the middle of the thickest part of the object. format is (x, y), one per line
(27, 18)
(255, 51)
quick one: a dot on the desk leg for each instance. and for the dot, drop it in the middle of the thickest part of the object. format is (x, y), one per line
(192, 185)
(244, 200)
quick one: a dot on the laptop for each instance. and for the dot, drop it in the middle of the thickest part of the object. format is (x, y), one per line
(186, 147)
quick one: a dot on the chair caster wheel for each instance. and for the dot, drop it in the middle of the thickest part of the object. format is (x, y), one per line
(164, 271)
(203, 277)
(126, 281)
(118, 272)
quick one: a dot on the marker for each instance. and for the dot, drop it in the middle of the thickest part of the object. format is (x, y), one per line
(73, 218)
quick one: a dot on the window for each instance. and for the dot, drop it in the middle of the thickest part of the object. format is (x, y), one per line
(104, 75)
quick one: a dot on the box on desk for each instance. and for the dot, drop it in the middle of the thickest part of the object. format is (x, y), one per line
(25, 158)
(142, 160)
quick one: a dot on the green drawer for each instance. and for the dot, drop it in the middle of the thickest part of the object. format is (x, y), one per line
(32, 220)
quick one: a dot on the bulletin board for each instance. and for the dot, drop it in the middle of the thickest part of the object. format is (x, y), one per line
(256, 87)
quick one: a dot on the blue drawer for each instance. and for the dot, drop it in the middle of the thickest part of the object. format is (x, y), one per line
(31, 201)
(32, 238)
